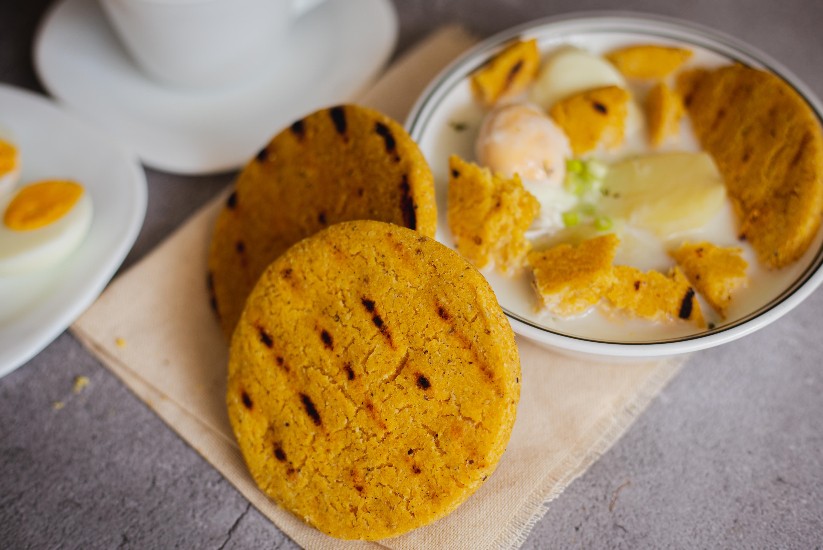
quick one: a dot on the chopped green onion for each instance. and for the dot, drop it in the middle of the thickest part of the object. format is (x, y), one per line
(570, 218)
(575, 184)
(603, 223)
(575, 166)
(589, 178)
(588, 209)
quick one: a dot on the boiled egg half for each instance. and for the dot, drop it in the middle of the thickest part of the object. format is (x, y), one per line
(9, 166)
(42, 223)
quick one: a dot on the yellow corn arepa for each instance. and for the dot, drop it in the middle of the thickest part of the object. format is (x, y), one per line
(373, 380)
(593, 117)
(570, 279)
(716, 272)
(664, 109)
(337, 164)
(648, 61)
(488, 215)
(767, 143)
(507, 73)
(655, 296)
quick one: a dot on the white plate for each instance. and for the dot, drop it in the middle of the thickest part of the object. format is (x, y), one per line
(36, 308)
(334, 51)
(449, 100)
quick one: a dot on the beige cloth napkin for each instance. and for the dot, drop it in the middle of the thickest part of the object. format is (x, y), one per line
(153, 328)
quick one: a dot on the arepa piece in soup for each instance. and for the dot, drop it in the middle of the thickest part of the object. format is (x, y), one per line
(506, 74)
(594, 118)
(571, 279)
(717, 273)
(373, 380)
(649, 61)
(488, 215)
(767, 143)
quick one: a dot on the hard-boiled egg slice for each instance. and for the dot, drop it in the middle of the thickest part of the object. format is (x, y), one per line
(42, 224)
(9, 166)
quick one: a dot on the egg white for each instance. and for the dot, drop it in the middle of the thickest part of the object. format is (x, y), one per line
(9, 179)
(26, 251)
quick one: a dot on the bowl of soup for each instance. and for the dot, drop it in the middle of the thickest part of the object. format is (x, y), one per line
(630, 186)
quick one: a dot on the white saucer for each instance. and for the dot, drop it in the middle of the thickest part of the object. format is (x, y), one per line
(334, 51)
(35, 308)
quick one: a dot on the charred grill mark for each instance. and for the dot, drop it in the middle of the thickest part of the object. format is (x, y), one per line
(441, 311)
(210, 281)
(210, 287)
(423, 382)
(384, 132)
(455, 174)
(282, 363)
(407, 205)
(279, 454)
(328, 341)
(637, 285)
(338, 116)
(231, 201)
(246, 400)
(311, 410)
(371, 307)
(512, 74)
(416, 469)
(804, 142)
(687, 304)
(600, 108)
(298, 128)
(349, 371)
(265, 337)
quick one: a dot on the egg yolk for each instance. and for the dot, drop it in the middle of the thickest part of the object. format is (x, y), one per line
(8, 157)
(40, 204)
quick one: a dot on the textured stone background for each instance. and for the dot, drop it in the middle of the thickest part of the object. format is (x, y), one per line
(729, 455)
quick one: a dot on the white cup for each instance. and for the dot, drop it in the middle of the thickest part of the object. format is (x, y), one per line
(202, 43)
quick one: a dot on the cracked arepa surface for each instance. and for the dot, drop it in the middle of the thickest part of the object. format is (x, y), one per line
(373, 380)
(338, 164)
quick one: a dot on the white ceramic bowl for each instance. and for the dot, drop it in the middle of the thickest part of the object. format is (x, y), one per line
(446, 118)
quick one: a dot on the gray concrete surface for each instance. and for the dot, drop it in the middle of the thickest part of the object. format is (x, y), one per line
(729, 455)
